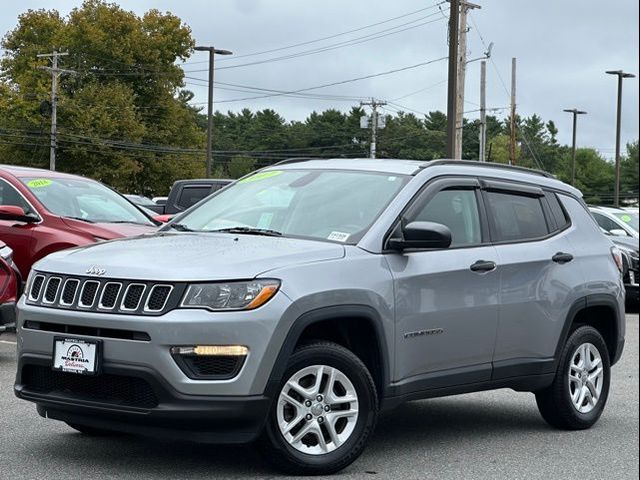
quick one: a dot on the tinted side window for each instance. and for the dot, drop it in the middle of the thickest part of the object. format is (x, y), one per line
(516, 217)
(458, 210)
(559, 215)
(192, 195)
(10, 196)
(606, 223)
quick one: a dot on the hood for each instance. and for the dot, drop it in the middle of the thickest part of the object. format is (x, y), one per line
(109, 231)
(185, 256)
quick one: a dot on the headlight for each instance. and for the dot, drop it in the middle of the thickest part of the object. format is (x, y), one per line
(230, 295)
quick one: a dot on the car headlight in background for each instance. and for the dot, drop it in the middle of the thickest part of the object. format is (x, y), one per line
(245, 295)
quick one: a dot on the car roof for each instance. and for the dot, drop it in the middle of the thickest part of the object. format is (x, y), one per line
(440, 166)
(608, 209)
(18, 171)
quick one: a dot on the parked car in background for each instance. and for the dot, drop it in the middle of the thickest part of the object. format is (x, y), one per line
(616, 221)
(10, 286)
(147, 203)
(42, 212)
(630, 250)
(186, 193)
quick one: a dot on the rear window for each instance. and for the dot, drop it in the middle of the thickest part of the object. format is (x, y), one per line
(191, 195)
(557, 212)
(516, 217)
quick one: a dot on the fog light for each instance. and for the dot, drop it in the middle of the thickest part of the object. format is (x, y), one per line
(212, 350)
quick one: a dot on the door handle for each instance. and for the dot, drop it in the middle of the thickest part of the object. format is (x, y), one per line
(483, 266)
(562, 257)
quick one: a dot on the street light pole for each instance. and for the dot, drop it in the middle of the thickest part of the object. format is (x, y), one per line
(212, 52)
(575, 113)
(621, 75)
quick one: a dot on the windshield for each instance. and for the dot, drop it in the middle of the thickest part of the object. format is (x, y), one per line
(630, 219)
(320, 204)
(84, 200)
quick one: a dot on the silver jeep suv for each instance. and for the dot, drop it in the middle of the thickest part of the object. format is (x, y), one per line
(294, 305)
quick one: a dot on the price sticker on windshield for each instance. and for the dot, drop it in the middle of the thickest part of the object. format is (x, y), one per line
(39, 183)
(338, 236)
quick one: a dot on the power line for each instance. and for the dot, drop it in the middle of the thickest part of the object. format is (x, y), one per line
(341, 82)
(329, 37)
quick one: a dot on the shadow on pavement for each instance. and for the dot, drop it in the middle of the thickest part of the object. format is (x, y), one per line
(414, 426)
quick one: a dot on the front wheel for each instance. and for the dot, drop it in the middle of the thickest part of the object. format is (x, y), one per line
(576, 398)
(325, 411)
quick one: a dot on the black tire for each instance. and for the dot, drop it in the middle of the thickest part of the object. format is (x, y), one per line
(286, 458)
(91, 431)
(555, 403)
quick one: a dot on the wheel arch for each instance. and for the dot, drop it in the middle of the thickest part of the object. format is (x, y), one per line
(355, 316)
(600, 311)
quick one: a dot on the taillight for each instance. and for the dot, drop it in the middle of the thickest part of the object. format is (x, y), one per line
(8, 283)
(617, 258)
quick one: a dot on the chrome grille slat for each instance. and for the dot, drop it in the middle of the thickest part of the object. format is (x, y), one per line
(154, 304)
(69, 289)
(36, 287)
(87, 294)
(51, 290)
(132, 297)
(111, 299)
(104, 295)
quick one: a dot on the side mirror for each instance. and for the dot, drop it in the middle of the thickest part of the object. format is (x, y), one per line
(618, 232)
(13, 212)
(422, 235)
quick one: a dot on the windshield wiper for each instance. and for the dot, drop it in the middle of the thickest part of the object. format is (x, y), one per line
(127, 221)
(250, 231)
(180, 227)
(81, 219)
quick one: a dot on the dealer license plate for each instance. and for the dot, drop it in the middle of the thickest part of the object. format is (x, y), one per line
(76, 356)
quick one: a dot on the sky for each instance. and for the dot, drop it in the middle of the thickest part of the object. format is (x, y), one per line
(563, 48)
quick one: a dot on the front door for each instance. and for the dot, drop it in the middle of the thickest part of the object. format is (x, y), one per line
(18, 235)
(446, 299)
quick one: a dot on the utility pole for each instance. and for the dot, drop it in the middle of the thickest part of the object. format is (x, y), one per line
(462, 67)
(575, 113)
(55, 74)
(621, 75)
(374, 104)
(512, 143)
(212, 52)
(453, 78)
(483, 111)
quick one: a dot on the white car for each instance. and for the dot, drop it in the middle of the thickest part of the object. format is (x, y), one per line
(616, 221)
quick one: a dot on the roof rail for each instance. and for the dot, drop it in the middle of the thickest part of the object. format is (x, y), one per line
(473, 163)
(296, 160)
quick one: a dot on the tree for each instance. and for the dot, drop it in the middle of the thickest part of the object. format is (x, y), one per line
(239, 166)
(126, 94)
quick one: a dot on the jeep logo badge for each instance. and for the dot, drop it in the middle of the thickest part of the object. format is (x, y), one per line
(94, 270)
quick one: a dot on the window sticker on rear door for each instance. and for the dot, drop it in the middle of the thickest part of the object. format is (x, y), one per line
(39, 183)
(338, 236)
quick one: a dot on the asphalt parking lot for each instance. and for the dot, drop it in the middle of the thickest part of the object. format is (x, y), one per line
(495, 434)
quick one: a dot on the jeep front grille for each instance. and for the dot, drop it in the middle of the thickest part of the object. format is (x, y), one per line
(103, 295)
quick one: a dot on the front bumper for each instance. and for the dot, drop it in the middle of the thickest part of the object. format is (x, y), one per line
(211, 418)
(220, 411)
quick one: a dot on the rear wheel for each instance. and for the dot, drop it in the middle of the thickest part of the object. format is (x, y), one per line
(576, 398)
(325, 411)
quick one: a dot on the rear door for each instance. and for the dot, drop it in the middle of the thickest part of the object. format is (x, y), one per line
(538, 277)
(446, 299)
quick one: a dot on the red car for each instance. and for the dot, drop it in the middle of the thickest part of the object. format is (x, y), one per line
(10, 284)
(42, 212)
